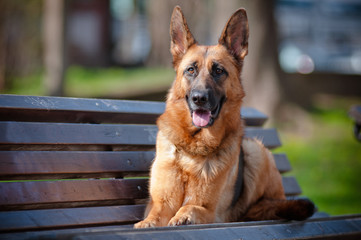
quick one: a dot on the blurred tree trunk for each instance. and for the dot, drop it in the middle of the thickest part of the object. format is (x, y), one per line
(159, 13)
(54, 50)
(262, 72)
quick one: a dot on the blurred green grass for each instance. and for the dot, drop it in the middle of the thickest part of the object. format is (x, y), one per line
(326, 161)
(99, 82)
(327, 164)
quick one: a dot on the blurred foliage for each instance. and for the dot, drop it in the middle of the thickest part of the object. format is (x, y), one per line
(327, 164)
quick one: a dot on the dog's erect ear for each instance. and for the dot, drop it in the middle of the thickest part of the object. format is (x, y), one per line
(235, 34)
(181, 37)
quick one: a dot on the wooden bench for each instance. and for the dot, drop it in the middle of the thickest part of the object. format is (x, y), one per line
(75, 168)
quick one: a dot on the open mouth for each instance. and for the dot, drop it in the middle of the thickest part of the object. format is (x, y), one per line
(205, 118)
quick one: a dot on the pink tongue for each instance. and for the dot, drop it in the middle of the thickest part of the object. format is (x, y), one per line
(201, 118)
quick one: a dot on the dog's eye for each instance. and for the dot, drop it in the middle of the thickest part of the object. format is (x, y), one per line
(219, 71)
(191, 70)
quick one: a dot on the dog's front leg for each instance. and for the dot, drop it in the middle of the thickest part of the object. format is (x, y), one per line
(192, 214)
(201, 199)
(166, 191)
(166, 187)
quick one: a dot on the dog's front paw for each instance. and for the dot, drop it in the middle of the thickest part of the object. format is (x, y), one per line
(145, 224)
(185, 219)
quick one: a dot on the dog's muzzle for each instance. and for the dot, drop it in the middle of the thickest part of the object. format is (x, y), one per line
(204, 108)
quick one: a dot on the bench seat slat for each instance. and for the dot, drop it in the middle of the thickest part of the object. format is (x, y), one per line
(75, 193)
(291, 186)
(282, 162)
(67, 133)
(31, 165)
(268, 136)
(102, 134)
(70, 193)
(20, 165)
(334, 227)
(58, 109)
(41, 219)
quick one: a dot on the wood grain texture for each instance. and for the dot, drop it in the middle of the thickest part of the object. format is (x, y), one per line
(86, 110)
(32, 165)
(100, 134)
(70, 193)
(95, 192)
(26, 220)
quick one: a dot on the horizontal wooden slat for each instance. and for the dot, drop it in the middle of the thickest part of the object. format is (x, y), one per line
(26, 220)
(73, 193)
(282, 162)
(103, 134)
(85, 110)
(336, 227)
(253, 117)
(268, 136)
(67, 133)
(291, 186)
(58, 109)
(30, 165)
(62, 164)
(70, 193)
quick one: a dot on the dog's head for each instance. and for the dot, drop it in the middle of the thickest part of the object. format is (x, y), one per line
(207, 76)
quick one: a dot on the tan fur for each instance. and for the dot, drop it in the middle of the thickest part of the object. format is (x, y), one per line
(194, 173)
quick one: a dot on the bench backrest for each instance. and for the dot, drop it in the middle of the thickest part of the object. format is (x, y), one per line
(67, 162)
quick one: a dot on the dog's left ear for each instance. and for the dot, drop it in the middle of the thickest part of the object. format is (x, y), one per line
(181, 37)
(235, 34)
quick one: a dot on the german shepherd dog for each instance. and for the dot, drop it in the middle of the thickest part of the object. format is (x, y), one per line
(201, 136)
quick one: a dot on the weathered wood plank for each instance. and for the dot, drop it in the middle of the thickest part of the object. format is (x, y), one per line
(328, 228)
(253, 117)
(70, 193)
(15, 165)
(103, 134)
(67, 133)
(86, 110)
(26, 220)
(73, 193)
(282, 162)
(291, 186)
(334, 227)
(268, 136)
(58, 109)
(31, 165)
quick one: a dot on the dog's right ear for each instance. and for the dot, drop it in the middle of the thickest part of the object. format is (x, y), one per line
(235, 34)
(181, 37)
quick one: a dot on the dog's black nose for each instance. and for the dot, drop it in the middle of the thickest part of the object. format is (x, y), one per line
(199, 97)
